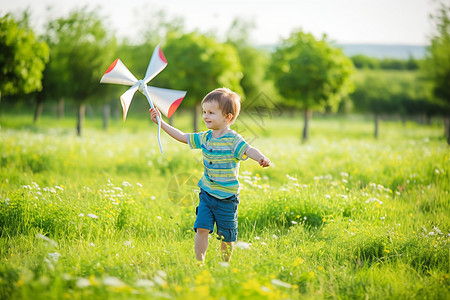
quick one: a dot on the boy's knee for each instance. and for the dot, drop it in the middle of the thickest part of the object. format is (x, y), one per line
(202, 231)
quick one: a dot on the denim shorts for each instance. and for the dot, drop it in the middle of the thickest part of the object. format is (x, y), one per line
(222, 212)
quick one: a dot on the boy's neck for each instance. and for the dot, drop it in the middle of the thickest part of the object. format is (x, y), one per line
(220, 132)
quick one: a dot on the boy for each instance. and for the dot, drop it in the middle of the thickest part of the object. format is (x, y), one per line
(222, 150)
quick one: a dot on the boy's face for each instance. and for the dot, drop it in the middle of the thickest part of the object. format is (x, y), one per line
(213, 116)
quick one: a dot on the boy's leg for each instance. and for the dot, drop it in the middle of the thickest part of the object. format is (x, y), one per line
(201, 243)
(227, 250)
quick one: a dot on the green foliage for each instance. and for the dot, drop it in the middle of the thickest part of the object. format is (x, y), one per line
(341, 217)
(254, 61)
(310, 72)
(81, 50)
(199, 64)
(364, 62)
(392, 92)
(437, 64)
(22, 58)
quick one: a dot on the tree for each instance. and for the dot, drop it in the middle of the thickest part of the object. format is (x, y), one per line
(22, 58)
(81, 52)
(199, 64)
(311, 74)
(437, 64)
(254, 61)
(377, 94)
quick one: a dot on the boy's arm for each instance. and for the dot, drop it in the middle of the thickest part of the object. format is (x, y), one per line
(255, 154)
(172, 131)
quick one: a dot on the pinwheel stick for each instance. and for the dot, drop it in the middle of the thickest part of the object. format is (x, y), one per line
(143, 89)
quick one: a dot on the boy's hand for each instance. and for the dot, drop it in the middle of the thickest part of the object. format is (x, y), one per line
(264, 162)
(154, 113)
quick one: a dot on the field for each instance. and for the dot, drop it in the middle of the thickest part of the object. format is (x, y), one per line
(106, 216)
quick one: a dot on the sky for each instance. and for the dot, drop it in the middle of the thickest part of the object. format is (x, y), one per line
(343, 21)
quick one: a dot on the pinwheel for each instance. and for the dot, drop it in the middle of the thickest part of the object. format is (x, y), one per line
(166, 100)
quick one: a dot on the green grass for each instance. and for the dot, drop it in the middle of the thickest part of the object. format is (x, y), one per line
(343, 216)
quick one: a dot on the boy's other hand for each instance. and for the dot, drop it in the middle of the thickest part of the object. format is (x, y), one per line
(154, 113)
(264, 162)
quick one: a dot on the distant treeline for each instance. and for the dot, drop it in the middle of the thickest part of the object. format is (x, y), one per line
(365, 62)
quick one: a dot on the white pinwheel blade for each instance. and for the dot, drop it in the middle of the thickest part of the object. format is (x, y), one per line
(166, 100)
(126, 98)
(157, 63)
(119, 74)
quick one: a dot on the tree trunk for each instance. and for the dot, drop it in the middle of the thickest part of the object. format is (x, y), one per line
(39, 108)
(106, 115)
(307, 116)
(81, 114)
(60, 108)
(447, 128)
(197, 109)
(377, 121)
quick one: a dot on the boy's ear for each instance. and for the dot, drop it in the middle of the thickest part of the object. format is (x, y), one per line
(229, 116)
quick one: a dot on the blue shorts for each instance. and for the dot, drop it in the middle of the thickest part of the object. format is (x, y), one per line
(223, 212)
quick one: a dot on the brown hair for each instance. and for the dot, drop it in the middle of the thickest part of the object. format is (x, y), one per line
(229, 102)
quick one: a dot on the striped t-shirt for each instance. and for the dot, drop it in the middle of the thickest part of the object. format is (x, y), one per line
(221, 158)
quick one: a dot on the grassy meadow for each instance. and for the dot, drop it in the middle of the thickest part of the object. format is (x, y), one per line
(106, 216)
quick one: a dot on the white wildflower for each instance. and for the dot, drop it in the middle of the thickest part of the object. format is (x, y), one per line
(161, 274)
(291, 178)
(374, 200)
(242, 245)
(92, 216)
(54, 256)
(281, 283)
(83, 283)
(47, 239)
(113, 281)
(81, 215)
(224, 264)
(159, 280)
(144, 283)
